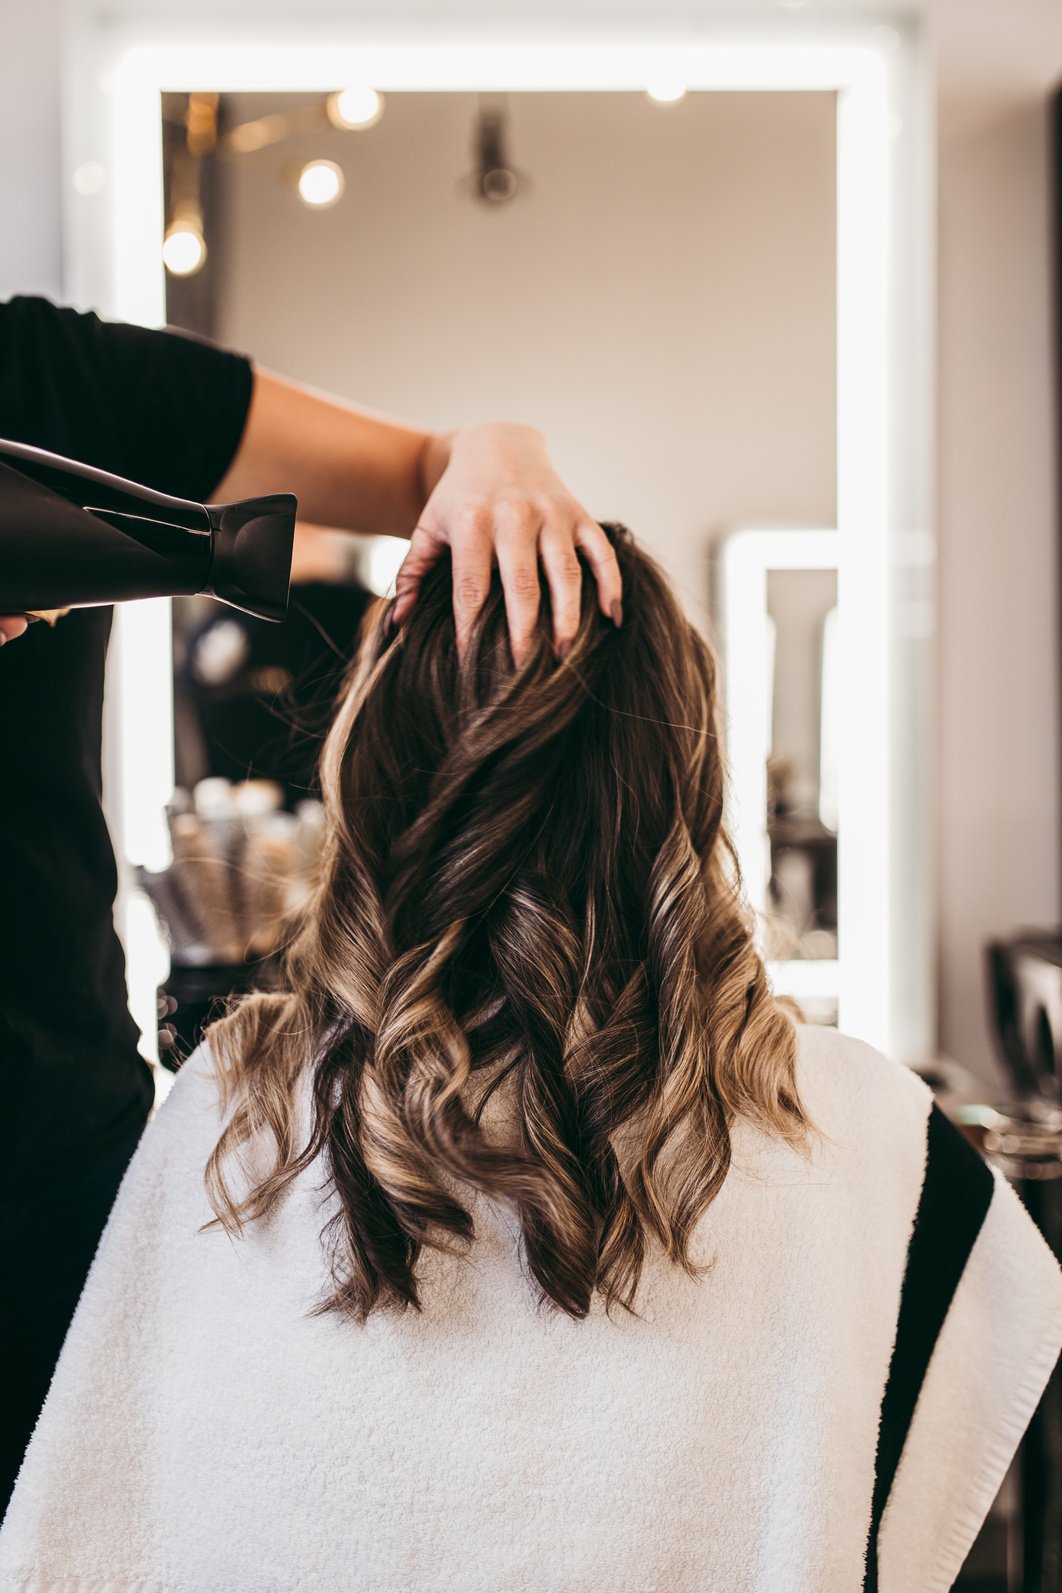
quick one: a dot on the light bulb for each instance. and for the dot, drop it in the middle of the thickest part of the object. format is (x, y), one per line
(183, 250)
(320, 184)
(666, 91)
(355, 107)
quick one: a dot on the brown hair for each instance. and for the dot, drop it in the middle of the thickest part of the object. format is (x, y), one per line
(526, 880)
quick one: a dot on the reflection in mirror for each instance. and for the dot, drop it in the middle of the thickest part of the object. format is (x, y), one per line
(801, 769)
(654, 289)
(601, 265)
(777, 599)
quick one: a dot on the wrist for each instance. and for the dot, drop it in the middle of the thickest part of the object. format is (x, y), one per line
(499, 442)
(432, 460)
(498, 434)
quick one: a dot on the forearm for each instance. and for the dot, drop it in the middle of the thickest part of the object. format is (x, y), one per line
(348, 467)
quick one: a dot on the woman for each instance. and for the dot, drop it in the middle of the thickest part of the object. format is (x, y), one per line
(537, 1248)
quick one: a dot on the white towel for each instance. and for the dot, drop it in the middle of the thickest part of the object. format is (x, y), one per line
(205, 1434)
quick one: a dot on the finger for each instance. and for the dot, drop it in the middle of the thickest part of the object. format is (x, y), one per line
(425, 549)
(517, 550)
(12, 625)
(599, 553)
(564, 574)
(470, 551)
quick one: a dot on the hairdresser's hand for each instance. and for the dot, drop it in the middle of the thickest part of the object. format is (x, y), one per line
(12, 625)
(494, 498)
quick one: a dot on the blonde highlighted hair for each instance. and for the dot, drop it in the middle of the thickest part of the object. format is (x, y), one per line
(527, 881)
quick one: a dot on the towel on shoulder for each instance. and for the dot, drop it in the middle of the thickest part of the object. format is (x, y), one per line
(832, 1407)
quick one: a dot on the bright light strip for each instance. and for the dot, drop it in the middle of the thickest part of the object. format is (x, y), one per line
(143, 662)
(260, 67)
(864, 392)
(140, 717)
(138, 212)
(131, 286)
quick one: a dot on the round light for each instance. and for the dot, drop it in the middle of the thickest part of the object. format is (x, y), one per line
(355, 107)
(666, 91)
(183, 250)
(89, 178)
(320, 183)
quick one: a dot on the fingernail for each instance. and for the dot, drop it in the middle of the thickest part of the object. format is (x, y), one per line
(564, 648)
(617, 613)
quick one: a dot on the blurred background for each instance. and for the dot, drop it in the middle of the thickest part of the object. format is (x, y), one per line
(651, 276)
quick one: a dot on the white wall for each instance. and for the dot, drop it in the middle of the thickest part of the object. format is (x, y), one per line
(1000, 804)
(1000, 810)
(31, 247)
(1000, 816)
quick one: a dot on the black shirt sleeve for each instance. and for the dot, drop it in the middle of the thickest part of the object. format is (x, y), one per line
(163, 408)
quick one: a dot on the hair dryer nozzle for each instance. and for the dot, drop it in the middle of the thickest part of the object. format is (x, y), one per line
(251, 567)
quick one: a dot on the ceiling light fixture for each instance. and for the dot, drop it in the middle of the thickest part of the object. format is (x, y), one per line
(320, 184)
(495, 179)
(356, 107)
(666, 91)
(183, 248)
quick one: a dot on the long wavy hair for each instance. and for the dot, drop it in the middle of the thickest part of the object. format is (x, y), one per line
(526, 882)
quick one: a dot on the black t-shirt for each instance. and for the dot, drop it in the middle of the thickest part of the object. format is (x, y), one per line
(166, 410)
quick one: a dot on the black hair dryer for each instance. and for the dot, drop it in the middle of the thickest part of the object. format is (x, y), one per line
(72, 536)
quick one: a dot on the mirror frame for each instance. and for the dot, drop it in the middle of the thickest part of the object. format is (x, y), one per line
(121, 55)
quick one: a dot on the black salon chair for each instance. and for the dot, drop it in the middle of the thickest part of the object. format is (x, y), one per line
(1025, 998)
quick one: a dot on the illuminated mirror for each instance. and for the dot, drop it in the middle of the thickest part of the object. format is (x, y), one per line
(711, 337)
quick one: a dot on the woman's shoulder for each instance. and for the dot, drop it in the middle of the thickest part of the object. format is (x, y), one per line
(190, 1116)
(847, 1064)
(857, 1094)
